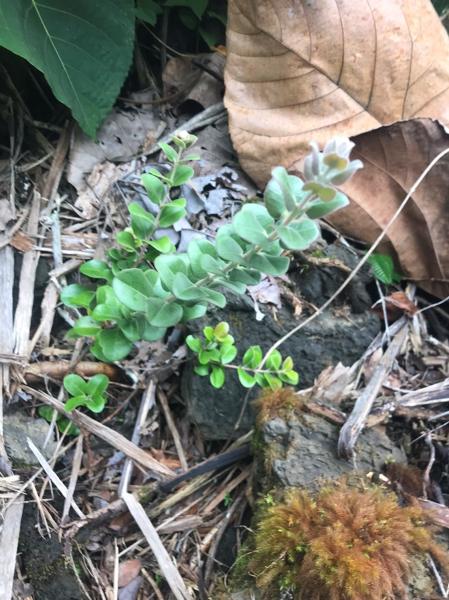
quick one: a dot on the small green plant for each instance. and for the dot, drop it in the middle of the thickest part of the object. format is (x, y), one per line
(63, 424)
(383, 269)
(216, 351)
(147, 287)
(88, 393)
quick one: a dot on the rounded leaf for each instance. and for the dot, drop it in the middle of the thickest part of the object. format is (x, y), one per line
(97, 384)
(75, 385)
(217, 377)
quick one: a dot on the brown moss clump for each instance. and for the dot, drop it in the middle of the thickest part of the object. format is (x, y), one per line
(343, 544)
(276, 403)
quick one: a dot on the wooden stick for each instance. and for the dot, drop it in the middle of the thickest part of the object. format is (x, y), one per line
(111, 437)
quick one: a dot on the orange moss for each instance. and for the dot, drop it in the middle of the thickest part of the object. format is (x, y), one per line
(274, 403)
(342, 544)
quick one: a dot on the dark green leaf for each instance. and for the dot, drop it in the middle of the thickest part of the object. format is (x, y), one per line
(168, 265)
(148, 11)
(166, 315)
(113, 344)
(193, 312)
(383, 268)
(197, 6)
(172, 212)
(132, 288)
(271, 265)
(83, 49)
(127, 240)
(142, 222)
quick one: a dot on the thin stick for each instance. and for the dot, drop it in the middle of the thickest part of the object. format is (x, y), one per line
(73, 477)
(9, 539)
(363, 261)
(111, 437)
(147, 403)
(173, 429)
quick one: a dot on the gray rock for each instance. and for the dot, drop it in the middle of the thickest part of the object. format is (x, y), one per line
(17, 428)
(327, 340)
(303, 453)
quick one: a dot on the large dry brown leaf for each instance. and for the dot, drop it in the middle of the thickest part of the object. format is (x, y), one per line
(393, 159)
(306, 70)
(302, 70)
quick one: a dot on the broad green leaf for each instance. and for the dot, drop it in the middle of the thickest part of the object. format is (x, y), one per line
(169, 152)
(193, 343)
(324, 192)
(107, 312)
(166, 315)
(211, 264)
(214, 297)
(97, 384)
(127, 240)
(163, 245)
(151, 334)
(132, 288)
(168, 265)
(274, 198)
(271, 265)
(130, 328)
(221, 330)
(96, 351)
(383, 268)
(246, 276)
(299, 235)
(193, 312)
(291, 377)
(273, 382)
(319, 209)
(253, 223)
(74, 402)
(84, 49)
(148, 11)
(184, 289)
(96, 269)
(228, 248)
(113, 344)
(96, 404)
(195, 251)
(142, 221)
(252, 357)
(172, 212)
(181, 175)
(154, 187)
(217, 377)
(234, 286)
(227, 353)
(66, 426)
(74, 384)
(209, 333)
(274, 360)
(290, 186)
(245, 378)
(287, 365)
(202, 370)
(77, 295)
(86, 326)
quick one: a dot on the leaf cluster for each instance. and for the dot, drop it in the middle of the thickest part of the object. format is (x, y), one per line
(90, 393)
(216, 351)
(147, 287)
(63, 424)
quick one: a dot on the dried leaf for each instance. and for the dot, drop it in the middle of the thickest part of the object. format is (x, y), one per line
(394, 157)
(299, 71)
(128, 570)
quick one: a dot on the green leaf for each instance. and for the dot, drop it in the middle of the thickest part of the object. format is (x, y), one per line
(96, 269)
(383, 267)
(195, 251)
(165, 315)
(86, 326)
(77, 295)
(163, 245)
(96, 351)
(324, 192)
(227, 353)
(291, 377)
(97, 384)
(227, 247)
(181, 175)
(154, 187)
(212, 265)
(132, 288)
(266, 263)
(84, 49)
(273, 382)
(193, 312)
(287, 365)
(127, 240)
(74, 384)
(130, 328)
(319, 209)
(184, 289)
(96, 403)
(214, 297)
(168, 265)
(217, 377)
(148, 11)
(209, 333)
(299, 235)
(221, 330)
(194, 343)
(114, 345)
(172, 212)
(252, 357)
(274, 360)
(246, 379)
(274, 198)
(202, 370)
(106, 312)
(66, 426)
(253, 223)
(197, 6)
(46, 412)
(151, 334)
(74, 402)
(169, 152)
(290, 186)
(142, 221)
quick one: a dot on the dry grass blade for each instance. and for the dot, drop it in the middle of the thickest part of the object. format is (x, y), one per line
(168, 569)
(9, 538)
(111, 437)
